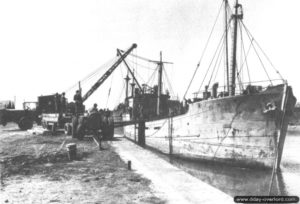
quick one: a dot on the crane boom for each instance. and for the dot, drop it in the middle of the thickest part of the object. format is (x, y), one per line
(107, 73)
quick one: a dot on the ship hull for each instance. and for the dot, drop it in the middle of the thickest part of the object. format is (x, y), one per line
(242, 130)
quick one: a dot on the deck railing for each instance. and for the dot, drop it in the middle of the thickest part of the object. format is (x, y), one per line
(240, 88)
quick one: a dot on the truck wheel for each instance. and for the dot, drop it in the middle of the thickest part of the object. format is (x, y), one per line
(110, 132)
(74, 127)
(3, 119)
(4, 123)
(80, 131)
(25, 123)
(110, 129)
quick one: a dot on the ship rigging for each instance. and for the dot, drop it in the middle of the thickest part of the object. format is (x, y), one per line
(237, 77)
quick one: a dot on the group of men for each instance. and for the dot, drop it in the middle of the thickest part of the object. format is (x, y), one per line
(79, 105)
(94, 109)
(60, 102)
(78, 102)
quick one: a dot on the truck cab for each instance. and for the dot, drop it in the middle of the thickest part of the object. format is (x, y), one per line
(54, 113)
(24, 118)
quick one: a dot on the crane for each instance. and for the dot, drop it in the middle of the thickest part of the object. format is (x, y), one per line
(107, 73)
(56, 119)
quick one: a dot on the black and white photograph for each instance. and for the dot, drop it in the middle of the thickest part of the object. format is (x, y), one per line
(154, 102)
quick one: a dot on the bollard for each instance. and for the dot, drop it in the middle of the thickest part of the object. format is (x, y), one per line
(129, 165)
(71, 151)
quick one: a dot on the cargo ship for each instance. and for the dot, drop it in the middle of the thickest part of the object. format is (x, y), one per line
(241, 124)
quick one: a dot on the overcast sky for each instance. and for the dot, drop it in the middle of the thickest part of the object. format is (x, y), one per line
(47, 46)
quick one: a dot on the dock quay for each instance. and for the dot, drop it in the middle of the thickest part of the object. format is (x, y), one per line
(176, 185)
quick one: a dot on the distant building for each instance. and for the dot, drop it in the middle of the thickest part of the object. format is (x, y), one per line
(7, 104)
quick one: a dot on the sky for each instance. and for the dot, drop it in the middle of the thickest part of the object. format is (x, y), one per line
(48, 46)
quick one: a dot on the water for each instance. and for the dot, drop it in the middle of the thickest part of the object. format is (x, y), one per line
(238, 181)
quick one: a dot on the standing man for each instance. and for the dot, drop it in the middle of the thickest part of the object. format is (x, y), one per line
(78, 102)
(94, 109)
(63, 102)
(57, 103)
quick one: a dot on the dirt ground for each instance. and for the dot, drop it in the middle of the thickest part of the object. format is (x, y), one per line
(35, 169)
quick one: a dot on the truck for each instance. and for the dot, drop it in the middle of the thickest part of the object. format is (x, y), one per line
(24, 117)
(53, 117)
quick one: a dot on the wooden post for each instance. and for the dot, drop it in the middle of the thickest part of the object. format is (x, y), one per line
(134, 132)
(141, 134)
(129, 165)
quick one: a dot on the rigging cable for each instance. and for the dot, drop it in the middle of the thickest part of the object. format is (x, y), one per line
(226, 63)
(206, 45)
(220, 43)
(249, 36)
(122, 90)
(216, 62)
(109, 90)
(240, 73)
(219, 64)
(168, 82)
(140, 65)
(92, 74)
(152, 77)
(146, 59)
(245, 60)
(98, 69)
(269, 60)
(266, 56)
(246, 56)
(225, 74)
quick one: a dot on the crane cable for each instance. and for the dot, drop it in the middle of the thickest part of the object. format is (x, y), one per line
(123, 88)
(92, 74)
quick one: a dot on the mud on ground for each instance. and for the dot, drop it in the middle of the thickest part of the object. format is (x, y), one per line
(35, 169)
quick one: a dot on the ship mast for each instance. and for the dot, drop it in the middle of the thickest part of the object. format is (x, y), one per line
(226, 43)
(160, 67)
(236, 16)
(127, 79)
